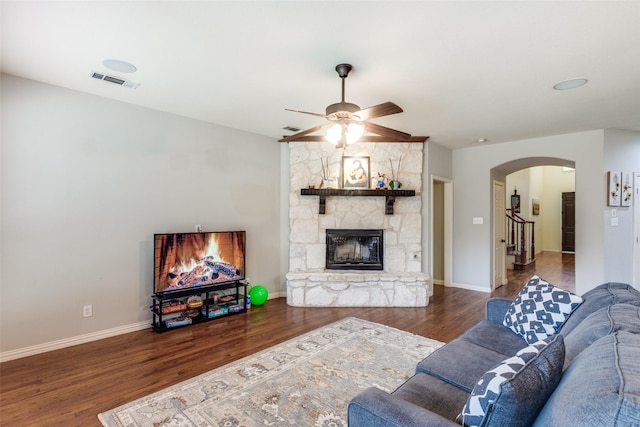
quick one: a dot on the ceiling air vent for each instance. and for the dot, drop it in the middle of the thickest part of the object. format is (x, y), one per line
(115, 80)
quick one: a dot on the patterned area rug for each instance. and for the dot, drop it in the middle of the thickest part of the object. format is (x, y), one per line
(306, 381)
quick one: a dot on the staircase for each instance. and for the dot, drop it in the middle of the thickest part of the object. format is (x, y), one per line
(520, 241)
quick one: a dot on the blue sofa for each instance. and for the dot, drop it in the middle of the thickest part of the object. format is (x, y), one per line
(587, 374)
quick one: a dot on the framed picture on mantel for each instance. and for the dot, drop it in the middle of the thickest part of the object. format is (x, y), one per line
(355, 172)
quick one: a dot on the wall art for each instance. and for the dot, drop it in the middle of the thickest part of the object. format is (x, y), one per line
(535, 206)
(626, 194)
(613, 188)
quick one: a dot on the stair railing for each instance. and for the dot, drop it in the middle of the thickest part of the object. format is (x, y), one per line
(520, 239)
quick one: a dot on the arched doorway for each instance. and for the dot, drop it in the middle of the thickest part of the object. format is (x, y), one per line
(539, 183)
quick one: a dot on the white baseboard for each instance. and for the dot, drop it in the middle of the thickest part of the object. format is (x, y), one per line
(469, 287)
(81, 339)
(68, 342)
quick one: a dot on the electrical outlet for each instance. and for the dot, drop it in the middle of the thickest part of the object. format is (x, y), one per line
(87, 311)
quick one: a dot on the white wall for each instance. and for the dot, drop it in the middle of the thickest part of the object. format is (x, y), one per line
(472, 169)
(536, 192)
(87, 181)
(622, 153)
(438, 162)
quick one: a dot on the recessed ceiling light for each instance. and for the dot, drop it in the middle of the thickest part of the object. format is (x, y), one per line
(481, 140)
(118, 65)
(570, 84)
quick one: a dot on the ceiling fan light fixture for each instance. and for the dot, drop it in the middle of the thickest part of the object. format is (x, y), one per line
(342, 133)
(334, 134)
(354, 132)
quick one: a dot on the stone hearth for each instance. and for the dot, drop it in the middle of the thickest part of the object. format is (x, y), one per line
(401, 283)
(353, 289)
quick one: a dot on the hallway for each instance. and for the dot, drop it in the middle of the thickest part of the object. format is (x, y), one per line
(556, 268)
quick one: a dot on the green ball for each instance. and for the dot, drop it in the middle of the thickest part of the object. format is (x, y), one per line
(258, 295)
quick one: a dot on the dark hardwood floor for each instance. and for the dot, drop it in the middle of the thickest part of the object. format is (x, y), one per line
(69, 387)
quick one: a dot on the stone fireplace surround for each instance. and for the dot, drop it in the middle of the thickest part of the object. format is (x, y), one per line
(401, 283)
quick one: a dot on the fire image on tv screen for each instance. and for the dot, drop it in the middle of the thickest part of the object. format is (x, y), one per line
(188, 260)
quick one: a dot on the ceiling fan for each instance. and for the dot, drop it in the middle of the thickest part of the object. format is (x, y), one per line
(347, 122)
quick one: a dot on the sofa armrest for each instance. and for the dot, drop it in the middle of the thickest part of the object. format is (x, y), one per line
(497, 308)
(376, 408)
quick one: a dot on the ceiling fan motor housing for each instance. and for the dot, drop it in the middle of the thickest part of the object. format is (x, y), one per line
(341, 110)
(343, 70)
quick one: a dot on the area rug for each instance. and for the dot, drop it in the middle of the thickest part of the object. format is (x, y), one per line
(306, 381)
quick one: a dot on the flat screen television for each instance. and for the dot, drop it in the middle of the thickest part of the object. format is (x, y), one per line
(190, 260)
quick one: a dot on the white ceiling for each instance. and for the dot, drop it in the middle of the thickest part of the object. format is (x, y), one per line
(461, 70)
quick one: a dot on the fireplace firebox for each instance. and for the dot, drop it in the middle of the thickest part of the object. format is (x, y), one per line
(354, 249)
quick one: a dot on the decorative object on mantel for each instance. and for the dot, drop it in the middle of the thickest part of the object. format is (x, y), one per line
(613, 188)
(325, 172)
(627, 190)
(347, 122)
(327, 181)
(394, 184)
(355, 172)
(380, 181)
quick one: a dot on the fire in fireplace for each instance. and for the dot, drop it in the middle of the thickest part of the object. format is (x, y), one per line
(354, 249)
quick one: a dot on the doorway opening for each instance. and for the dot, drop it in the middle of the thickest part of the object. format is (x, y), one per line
(543, 184)
(441, 230)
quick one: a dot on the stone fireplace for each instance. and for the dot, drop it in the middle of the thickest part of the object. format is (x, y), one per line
(397, 280)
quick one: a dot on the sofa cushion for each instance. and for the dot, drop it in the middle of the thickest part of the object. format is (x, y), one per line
(539, 310)
(465, 359)
(433, 394)
(513, 392)
(603, 322)
(600, 388)
(377, 408)
(601, 296)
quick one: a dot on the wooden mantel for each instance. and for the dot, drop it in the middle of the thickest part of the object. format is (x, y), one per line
(389, 195)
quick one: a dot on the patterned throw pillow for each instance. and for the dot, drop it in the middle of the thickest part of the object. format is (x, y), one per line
(539, 310)
(514, 392)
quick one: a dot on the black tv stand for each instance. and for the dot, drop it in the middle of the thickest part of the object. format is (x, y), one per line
(170, 309)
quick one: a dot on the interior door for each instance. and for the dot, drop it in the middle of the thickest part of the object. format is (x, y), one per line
(569, 222)
(499, 223)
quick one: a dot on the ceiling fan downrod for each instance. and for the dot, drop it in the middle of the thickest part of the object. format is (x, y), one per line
(342, 109)
(343, 71)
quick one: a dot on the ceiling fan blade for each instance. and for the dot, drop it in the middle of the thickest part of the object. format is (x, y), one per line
(384, 109)
(306, 112)
(294, 137)
(394, 135)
